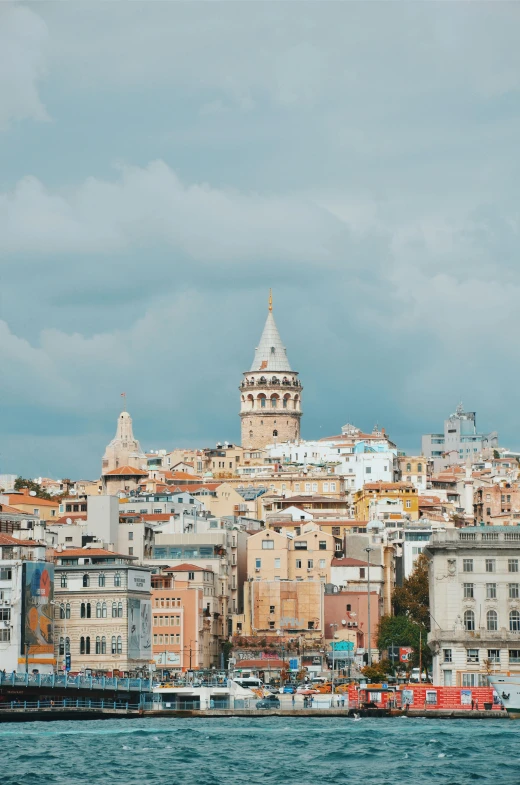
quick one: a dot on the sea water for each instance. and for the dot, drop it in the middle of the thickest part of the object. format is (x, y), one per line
(266, 750)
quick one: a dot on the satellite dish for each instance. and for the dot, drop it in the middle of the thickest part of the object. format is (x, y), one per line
(69, 520)
(343, 622)
(32, 493)
(73, 491)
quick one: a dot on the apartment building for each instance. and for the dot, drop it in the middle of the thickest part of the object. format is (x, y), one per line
(273, 556)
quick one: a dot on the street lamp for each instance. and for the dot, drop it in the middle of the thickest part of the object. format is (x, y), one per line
(334, 627)
(368, 552)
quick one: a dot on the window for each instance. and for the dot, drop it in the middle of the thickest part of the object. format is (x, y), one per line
(119, 645)
(349, 607)
(300, 545)
(114, 611)
(322, 564)
(491, 565)
(84, 645)
(368, 469)
(514, 621)
(298, 564)
(101, 579)
(325, 487)
(86, 580)
(310, 564)
(408, 467)
(6, 574)
(98, 610)
(512, 565)
(117, 579)
(514, 656)
(361, 572)
(514, 593)
(267, 545)
(333, 487)
(130, 551)
(271, 609)
(62, 611)
(275, 432)
(419, 467)
(83, 610)
(491, 591)
(5, 614)
(448, 678)
(307, 487)
(492, 621)
(5, 635)
(469, 621)
(314, 487)
(408, 504)
(258, 563)
(277, 563)
(323, 545)
(114, 645)
(271, 625)
(472, 655)
(494, 655)
(447, 655)
(98, 645)
(474, 680)
(468, 591)
(310, 625)
(130, 535)
(467, 565)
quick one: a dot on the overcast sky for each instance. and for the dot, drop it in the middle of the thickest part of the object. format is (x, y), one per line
(163, 164)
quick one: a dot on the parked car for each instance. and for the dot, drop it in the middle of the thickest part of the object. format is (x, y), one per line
(306, 689)
(269, 702)
(288, 689)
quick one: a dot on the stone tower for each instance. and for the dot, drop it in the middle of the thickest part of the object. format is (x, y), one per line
(270, 393)
(123, 450)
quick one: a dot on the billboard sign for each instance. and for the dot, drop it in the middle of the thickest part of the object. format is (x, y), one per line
(38, 593)
(139, 629)
(139, 580)
(405, 653)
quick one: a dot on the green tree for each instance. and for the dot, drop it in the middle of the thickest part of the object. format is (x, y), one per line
(20, 483)
(412, 599)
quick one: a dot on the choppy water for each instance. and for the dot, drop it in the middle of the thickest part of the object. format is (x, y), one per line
(277, 750)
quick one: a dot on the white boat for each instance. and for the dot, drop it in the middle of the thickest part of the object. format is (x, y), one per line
(508, 690)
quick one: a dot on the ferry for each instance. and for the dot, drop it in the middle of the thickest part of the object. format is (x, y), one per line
(508, 690)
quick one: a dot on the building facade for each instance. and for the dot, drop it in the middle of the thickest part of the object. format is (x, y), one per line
(474, 604)
(458, 442)
(124, 449)
(102, 611)
(270, 393)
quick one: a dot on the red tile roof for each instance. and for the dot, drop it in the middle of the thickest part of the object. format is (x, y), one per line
(348, 562)
(186, 568)
(126, 471)
(19, 498)
(6, 539)
(90, 552)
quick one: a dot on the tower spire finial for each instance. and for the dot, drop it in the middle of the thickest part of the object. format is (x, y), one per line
(270, 299)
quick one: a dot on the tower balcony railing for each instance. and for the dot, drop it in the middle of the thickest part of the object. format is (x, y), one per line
(284, 384)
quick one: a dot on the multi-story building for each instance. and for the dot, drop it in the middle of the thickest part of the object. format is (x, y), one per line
(496, 504)
(102, 611)
(26, 596)
(32, 506)
(280, 608)
(16, 522)
(459, 442)
(270, 393)
(273, 556)
(415, 470)
(376, 499)
(186, 613)
(474, 604)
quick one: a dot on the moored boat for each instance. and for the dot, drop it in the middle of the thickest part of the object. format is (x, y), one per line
(508, 690)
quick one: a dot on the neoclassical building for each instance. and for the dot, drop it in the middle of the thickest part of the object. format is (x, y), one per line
(270, 393)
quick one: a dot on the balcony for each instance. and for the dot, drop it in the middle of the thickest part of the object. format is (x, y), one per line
(498, 536)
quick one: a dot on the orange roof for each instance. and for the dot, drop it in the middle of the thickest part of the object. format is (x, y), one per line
(163, 516)
(90, 552)
(126, 471)
(182, 476)
(19, 498)
(387, 486)
(6, 539)
(13, 510)
(73, 516)
(186, 568)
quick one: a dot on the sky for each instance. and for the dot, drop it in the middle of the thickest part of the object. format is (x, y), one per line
(163, 164)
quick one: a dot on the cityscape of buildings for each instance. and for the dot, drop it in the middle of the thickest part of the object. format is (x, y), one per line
(179, 559)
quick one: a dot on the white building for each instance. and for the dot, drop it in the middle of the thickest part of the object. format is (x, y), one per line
(26, 594)
(474, 604)
(459, 441)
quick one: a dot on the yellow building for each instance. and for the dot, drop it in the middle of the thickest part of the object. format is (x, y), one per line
(415, 470)
(45, 509)
(273, 556)
(375, 496)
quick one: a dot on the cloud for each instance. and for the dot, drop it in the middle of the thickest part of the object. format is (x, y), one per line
(23, 39)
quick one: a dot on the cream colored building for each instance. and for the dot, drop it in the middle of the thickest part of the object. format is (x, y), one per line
(282, 609)
(102, 611)
(416, 470)
(275, 556)
(474, 604)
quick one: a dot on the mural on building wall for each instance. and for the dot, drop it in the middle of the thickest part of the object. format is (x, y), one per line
(139, 629)
(38, 593)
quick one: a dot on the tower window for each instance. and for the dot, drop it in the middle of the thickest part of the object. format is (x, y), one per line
(275, 433)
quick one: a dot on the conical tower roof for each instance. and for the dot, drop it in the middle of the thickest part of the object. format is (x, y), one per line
(270, 354)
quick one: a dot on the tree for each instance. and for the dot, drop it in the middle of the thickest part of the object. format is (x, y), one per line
(20, 483)
(378, 671)
(412, 599)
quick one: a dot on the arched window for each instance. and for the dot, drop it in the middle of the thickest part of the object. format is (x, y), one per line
(87, 644)
(114, 647)
(83, 610)
(250, 434)
(514, 621)
(114, 610)
(101, 579)
(120, 610)
(103, 645)
(408, 467)
(275, 433)
(98, 645)
(469, 621)
(104, 610)
(492, 620)
(62, 646)
(86, 580)
(82, 645)
(67, 610)
(62, 611)
(274, 401)
(119, 644)
(261, 398)
(251, 401)
(98, 610)
(117, 579)
(419, 467)
(89, 610)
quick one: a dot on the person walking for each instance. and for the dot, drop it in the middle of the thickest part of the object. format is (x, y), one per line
(293, 700)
